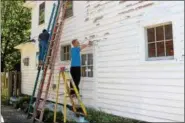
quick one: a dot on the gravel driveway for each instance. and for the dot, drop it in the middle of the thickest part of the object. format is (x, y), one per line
(11, 115)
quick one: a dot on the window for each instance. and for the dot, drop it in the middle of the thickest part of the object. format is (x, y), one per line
(160, 41)
(65, 53)
(69, 9)
(26, 61)
(87, 65)
(42, 13)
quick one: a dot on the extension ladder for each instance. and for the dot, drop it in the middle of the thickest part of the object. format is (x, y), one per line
(67, 81)
(52, 17)
(50, 58)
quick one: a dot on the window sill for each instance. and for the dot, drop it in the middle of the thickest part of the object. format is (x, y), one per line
(69, 18)
(65, 61)
(160, 62)
(41, 25)
(87, 79)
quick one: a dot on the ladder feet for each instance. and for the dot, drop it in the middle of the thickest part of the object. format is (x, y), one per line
(29, 116)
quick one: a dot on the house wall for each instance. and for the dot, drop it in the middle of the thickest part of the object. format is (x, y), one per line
(127, 84)
(124, 82)
(28, 72)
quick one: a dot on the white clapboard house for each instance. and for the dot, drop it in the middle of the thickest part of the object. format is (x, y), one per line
(135, 68)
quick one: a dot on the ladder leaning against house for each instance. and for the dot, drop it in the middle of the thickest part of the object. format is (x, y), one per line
(39, 69)
(49, 61)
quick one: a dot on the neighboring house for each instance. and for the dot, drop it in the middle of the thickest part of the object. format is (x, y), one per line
(135, 68)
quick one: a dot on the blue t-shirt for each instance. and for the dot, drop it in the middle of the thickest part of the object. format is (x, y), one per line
(75, 57)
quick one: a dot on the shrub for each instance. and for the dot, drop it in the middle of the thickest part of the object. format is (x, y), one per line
(23, 103)
(49, 115)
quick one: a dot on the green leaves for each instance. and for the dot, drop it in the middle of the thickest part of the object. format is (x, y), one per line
(15, 22)
(95, 116)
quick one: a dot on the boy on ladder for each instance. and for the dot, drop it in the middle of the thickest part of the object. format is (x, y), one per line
(43, 45)
(75, 69)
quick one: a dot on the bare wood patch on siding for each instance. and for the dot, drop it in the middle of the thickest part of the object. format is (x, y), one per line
(122, 2)
(107, 33)
(86, 19)
(88, 6)
(133, 4)
(134, 9)
(97, 6)
(92, 36)
(97, 24)
(98, 18)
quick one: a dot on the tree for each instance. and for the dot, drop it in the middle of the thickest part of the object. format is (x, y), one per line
(15, 20)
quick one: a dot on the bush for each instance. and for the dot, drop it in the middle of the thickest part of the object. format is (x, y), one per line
(23, 103)
(4, 100)
(49, 116)
(95, 116)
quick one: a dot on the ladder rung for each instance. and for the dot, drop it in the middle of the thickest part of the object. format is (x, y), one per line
(52, 41)
(39, 109)
(61, 94)
(55, 33)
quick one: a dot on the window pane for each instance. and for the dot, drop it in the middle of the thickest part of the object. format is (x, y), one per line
(151, 35)
(65, 49)
(83, 59)
(83, 72)
(70, 53)
(151, 50)
(159, 33)
(69, 10)
(169, 48)
(160, 49)
(64, 56)
(67, 56)
(41, 13)
(90, 59)
(62, 53)
(90, 71)
(168, 32)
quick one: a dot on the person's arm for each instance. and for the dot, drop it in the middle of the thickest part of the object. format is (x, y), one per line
(83, 46)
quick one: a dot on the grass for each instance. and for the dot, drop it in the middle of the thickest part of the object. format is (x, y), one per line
(95, 116)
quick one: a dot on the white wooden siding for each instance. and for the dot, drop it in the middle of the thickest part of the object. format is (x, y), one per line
(147, 91)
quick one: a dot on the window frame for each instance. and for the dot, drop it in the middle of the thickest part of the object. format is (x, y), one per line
(63, 53)
(146, 42)
(67, 9)
(26, 61)
(86, 65)
(40, 22)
